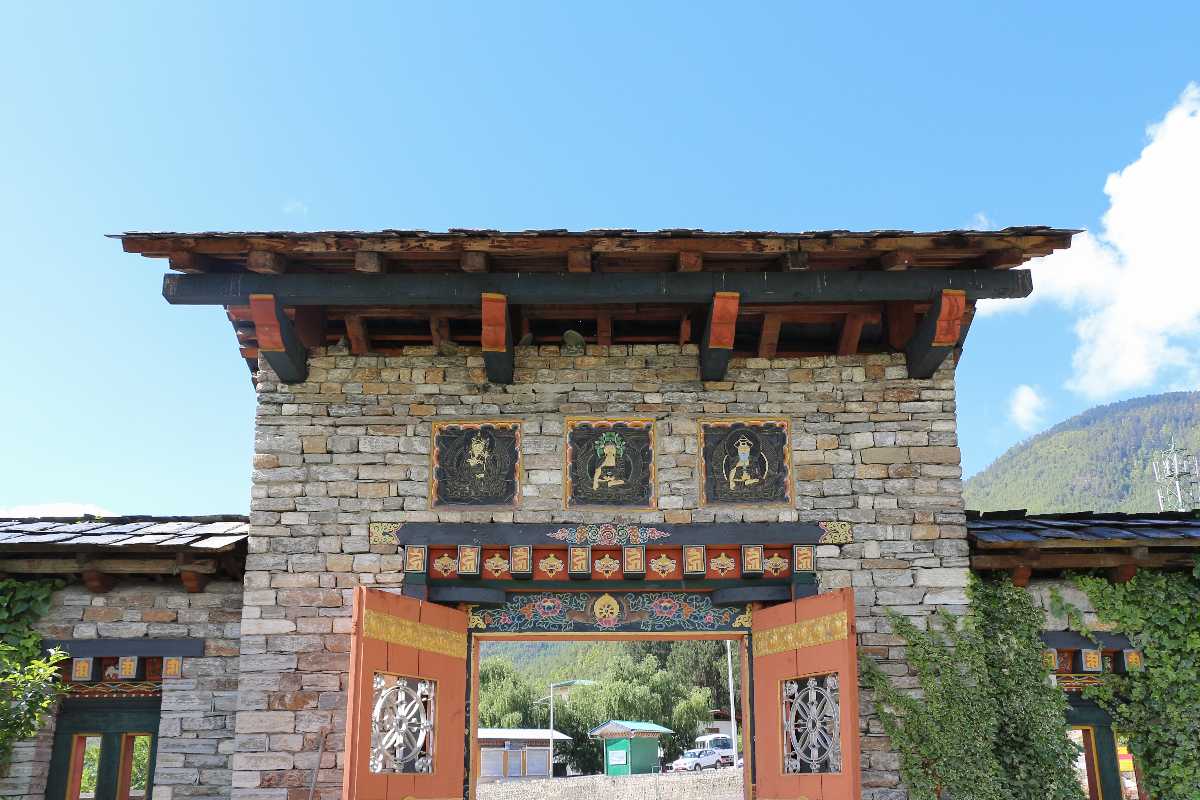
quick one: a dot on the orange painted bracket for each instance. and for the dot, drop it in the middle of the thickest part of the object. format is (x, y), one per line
(498, 356)
(937, 334)
(716, 346)
(278, 341)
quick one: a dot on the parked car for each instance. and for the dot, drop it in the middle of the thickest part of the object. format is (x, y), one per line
(720, 742)
(696, 760)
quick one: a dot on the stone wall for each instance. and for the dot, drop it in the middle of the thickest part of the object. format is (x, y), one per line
(351, 446)
(717, 784)
(196, 727)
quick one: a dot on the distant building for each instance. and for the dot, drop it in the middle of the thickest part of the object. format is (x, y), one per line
(630, 748)
(509, 753)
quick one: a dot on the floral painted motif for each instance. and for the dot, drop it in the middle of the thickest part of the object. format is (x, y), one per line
(836, 533)
(551, 565)
(384, 532)
(445, 565)
(569, 612)
(608, 534)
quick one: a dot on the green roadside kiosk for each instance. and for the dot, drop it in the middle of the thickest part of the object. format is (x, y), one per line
(630, 748)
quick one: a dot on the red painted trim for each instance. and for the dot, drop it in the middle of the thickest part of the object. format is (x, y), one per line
(724, 320)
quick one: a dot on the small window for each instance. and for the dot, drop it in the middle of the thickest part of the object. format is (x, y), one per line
(85, 767)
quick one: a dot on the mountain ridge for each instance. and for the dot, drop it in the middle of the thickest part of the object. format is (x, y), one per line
(1098, 460)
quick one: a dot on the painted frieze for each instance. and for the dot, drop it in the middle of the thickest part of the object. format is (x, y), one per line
(595, 612)
(609, 462)
(745, 462)
(608, 534)
(475, 463)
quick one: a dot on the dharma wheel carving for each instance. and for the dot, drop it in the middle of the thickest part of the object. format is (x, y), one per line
(402, 724)
(811, 725)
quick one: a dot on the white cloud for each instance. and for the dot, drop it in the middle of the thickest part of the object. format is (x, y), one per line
(981, 222)
(1025, 407)
(55, 510)
(1135, 284)
(295, 207)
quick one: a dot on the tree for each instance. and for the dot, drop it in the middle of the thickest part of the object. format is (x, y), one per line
(28, 688)
(507, 699)
(986, 724)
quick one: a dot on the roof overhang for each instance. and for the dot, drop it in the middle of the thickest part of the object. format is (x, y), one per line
(759, 294)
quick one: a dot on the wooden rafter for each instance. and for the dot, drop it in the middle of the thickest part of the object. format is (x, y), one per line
(474, 261)
(768, 337)
(851, 333)
(368, 261)
(579, 260)
(266, 262)
(356, 332)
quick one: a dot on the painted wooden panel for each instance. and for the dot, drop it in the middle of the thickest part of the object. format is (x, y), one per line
(809, 638)
(394, 635)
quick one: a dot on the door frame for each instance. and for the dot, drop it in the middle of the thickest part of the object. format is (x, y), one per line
(111, 719)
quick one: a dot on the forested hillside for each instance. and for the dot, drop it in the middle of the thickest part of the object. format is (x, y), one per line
(1096, 461)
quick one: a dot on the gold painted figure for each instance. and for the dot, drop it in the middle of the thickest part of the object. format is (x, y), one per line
(609, 447)
(739, 475)
(478, 454)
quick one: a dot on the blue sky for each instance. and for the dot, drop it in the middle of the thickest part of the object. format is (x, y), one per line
(767, 116)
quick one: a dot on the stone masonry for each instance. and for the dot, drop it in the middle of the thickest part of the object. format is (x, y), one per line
(196, 727)
(351, 446)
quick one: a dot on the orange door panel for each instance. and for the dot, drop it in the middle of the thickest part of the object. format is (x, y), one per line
(806, 742)
(405, 724)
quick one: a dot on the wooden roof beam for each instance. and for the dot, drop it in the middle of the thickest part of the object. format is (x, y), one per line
(278, 341)
(897, 259)
(187, 261)
(579, 260)
(498, 354)
(693, 288)
(473, 261)
(368, 261)
(716, 346)
(266, 262)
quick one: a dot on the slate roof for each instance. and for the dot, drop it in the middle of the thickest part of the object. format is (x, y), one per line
(1016, 528)
(141, 534)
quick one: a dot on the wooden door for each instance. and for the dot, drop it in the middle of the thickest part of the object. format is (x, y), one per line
(104, 749)
(406, 724)
(806, 739)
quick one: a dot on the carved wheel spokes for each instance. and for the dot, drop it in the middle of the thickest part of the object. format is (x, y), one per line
(812, 725)
(402, 725)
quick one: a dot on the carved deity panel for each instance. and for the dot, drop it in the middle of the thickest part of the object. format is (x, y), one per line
(475, 463)
(610, 463)
(745, 461)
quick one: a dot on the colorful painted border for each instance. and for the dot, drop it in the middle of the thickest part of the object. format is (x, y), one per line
(604, 612)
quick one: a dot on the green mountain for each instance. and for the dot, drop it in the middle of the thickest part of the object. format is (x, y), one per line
(1096, 461)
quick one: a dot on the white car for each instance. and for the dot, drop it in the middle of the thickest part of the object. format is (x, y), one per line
(695, 760)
